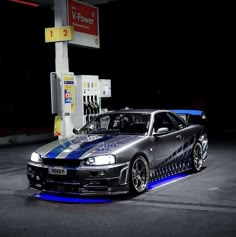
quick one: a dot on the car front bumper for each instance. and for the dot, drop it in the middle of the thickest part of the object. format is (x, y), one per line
(102, 180)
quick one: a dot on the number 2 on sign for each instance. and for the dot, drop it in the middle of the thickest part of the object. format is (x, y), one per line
(65, 32)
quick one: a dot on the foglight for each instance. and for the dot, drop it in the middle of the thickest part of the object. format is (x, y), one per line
(101, 160)
(35, 157)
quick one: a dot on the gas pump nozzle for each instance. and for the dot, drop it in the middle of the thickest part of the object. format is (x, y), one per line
(97, 107)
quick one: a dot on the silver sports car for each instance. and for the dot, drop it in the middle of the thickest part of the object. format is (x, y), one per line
(119, 152)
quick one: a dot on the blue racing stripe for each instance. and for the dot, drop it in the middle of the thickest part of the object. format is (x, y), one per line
(57, 150)
(86, 146)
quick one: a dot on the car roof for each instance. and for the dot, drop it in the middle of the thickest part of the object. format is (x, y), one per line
(141, 111)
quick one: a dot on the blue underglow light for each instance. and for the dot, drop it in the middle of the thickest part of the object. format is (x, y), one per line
(187, 111)
(166, 180)
(69, 199)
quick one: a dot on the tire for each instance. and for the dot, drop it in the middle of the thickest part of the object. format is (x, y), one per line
(197, 157)
(138, 175)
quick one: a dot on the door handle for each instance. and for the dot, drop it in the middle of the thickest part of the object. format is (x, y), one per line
(178, 137)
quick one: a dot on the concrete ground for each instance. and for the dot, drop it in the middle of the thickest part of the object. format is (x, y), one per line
(202, 204)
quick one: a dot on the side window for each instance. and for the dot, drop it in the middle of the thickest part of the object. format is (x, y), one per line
(178, 123)
(162, 120)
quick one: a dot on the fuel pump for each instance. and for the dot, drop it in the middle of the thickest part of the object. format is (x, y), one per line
(87, 99)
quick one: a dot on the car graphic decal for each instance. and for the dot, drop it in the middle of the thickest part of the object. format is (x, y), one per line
(77, 153)
(57, 150)
(174, 164)
(177, 162)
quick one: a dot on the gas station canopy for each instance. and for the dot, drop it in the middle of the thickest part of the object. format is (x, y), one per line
(51, 2)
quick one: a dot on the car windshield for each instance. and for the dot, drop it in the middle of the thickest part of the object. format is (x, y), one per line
(118, 123)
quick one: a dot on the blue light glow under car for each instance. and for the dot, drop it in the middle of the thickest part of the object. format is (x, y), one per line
(187, 111)
(167, 180)
(73, 199)
(69, 199)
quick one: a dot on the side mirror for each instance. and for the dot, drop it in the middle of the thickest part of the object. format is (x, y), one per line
(161, 131)
(75, 131)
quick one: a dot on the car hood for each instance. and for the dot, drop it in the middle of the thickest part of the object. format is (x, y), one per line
(82, 146)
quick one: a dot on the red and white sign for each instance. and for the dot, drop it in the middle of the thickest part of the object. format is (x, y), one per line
(84, 19)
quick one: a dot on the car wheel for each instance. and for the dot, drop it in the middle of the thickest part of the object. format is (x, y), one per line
(197, 157)
(139, 175)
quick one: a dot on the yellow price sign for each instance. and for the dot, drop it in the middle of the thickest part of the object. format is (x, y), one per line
(50, 34)
(65, 33)
(54, 34)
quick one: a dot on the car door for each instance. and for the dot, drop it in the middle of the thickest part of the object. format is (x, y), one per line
(167, 144)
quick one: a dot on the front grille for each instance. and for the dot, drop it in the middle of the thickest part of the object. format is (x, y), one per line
(71, 177)
(61, 162)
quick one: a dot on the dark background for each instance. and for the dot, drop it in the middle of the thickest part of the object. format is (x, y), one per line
(156, 55)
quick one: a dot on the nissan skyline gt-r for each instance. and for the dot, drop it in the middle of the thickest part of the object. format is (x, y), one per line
(119, 152)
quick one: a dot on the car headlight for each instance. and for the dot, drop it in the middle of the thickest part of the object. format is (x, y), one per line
(101, 160)
(35, 157)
